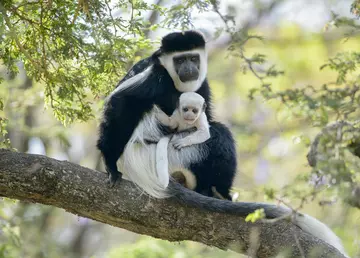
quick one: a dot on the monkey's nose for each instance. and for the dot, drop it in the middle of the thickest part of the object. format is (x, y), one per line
(188, 75)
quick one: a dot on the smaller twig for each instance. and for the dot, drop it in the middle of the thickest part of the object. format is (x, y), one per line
(132, 14)
(111, 16)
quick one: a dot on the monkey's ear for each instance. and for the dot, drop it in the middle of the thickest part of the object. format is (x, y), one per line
(204, 106)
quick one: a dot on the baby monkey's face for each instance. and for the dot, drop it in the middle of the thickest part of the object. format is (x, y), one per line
(190, 113)
(191, 105)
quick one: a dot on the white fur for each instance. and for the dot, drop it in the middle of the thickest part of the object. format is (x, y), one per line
(235, 196)
(162, 164)
(319, 230)
(167, 61)
(184, 157)
(133, 81)
(191, 99)
(138, 161)
(201, 134)
(178, 120)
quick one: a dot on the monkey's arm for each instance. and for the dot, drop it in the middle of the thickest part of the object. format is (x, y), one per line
(164, 119)
(201, 135)
(135, 93)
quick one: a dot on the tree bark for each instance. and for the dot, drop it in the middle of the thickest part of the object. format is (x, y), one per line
(82, 191)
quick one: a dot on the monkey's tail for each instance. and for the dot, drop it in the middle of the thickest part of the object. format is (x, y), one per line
(139, 165)
(242, 209)
(162, 162)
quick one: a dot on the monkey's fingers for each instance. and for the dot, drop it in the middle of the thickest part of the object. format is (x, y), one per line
(113, 178)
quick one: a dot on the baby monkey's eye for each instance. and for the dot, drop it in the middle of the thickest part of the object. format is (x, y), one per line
(195, 110)
(185, 109)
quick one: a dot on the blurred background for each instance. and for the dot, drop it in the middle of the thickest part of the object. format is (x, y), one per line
(298, 37)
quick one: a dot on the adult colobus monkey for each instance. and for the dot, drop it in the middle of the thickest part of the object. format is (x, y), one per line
(180, 65)
(129, 124)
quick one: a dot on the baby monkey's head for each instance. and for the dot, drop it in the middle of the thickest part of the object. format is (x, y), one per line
(191, 105)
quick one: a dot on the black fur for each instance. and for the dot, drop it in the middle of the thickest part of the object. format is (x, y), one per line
(241, 209)
(125, 109)
(219, 167)
(182, 41)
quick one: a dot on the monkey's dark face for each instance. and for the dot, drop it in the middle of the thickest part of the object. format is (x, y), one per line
(187, 69)
(187, 66)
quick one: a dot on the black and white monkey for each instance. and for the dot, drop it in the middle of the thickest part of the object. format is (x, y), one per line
(129, 126)
(178, 66)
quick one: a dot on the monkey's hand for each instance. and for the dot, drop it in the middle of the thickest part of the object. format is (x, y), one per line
(114, 176)
(180, 143)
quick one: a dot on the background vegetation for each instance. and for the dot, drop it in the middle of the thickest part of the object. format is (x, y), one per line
(280, 72)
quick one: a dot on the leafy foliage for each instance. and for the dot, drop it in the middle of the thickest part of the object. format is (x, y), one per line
(334, 154)
(10, 242)
(77, 49)
(343, 63)
(180, 15)
(4, 141)
(355, 8)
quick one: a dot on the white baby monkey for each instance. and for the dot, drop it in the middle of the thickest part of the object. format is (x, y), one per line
(189, 113)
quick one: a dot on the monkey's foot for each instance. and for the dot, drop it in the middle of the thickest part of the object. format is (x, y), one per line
(113, 178)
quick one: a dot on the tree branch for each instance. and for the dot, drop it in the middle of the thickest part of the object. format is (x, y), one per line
(82, 191)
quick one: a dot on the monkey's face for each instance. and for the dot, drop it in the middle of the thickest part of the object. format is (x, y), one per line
(191, 105)
(190, 113)
(187, 66)
(187, 69)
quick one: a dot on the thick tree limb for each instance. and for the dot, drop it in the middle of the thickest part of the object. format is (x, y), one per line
(82, 191)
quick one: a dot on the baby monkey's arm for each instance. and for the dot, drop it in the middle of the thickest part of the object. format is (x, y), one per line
(201, 135)
(164, 119)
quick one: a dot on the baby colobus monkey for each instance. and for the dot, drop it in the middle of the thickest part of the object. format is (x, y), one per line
(189, 113)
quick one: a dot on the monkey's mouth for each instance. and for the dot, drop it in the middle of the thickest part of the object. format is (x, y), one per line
(188, 78)
(189, 120)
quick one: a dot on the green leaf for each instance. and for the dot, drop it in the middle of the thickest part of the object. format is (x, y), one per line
(255, 216)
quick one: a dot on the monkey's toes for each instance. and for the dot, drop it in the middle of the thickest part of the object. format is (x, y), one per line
(113, 178)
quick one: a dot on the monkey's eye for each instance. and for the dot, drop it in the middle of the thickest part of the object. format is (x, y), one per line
(180, 60)
(194, 58)
(185, 109)
(195, 110)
